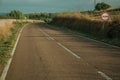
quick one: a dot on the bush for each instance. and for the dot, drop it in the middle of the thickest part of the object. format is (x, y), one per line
(114, 30)
(102, 6)
(16, 14)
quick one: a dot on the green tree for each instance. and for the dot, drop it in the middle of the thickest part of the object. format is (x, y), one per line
(16, 14)
(102, 6)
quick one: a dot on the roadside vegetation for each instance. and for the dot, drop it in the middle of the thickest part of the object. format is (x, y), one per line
(9, 29)
(5, 28)
(15, 14)
(91, 25)
(8, 35)
(102, 6)
(41, 16)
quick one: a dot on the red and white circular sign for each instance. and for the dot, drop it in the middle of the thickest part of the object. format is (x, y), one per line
(105, 16)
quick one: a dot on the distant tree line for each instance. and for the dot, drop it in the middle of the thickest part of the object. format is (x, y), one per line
(16, 14)
(40, 15)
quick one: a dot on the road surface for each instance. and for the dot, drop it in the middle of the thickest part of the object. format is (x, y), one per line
(45, 53)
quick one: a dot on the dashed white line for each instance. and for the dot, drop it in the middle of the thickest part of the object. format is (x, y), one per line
(47, 35)
(69, 50)
(104, 75)
(48, 38)
(78, 57)
(51, 38)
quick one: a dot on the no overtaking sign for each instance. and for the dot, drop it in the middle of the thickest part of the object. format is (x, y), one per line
(105, 16)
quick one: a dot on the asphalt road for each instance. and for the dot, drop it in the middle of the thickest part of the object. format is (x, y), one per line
(45, 53)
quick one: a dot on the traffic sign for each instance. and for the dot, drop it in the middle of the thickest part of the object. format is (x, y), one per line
(105, 16)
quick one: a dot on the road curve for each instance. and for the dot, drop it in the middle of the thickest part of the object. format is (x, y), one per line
(45, 53)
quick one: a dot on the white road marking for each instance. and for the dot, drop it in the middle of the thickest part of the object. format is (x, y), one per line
(98, 41)
(104, 75)
(69, 50)
(101, 73)
(47, 35)
(4, 74)
(48, 38)
(51, 38)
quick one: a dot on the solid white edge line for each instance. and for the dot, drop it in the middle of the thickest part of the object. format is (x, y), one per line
(99, 41)
(4, 73)
(104, 75)
(69, 50)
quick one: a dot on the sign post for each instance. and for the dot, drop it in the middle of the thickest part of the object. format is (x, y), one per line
(105, 17)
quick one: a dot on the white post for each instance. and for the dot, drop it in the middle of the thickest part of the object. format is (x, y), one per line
(94, 3)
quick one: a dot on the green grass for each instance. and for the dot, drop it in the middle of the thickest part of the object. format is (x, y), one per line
(7, 45)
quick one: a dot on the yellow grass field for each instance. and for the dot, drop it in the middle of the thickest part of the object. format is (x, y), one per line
(5, 28)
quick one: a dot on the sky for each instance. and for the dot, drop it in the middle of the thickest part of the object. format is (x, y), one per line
(35, 6)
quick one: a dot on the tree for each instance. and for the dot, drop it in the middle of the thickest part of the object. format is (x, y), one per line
(16, 14)
(102, 6)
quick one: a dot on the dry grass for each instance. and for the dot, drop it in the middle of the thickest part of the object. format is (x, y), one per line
(116, 18)
(76, 15)
(89, 24)
(5, 28)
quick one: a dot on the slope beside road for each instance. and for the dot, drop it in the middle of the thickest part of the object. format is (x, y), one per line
(45, 53)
